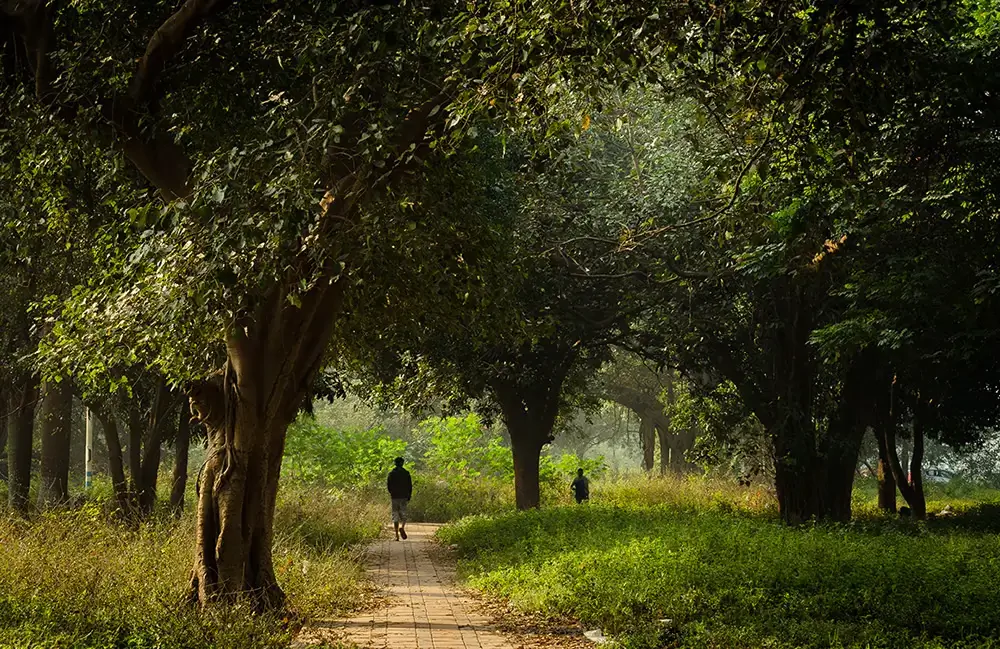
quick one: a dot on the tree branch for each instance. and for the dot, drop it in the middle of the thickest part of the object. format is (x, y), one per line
(165, 43)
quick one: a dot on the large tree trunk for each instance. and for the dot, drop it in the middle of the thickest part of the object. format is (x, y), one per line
(679, 444)
(527, 453)
(529, 411)
(795, 471)
(181, 444)
(55, 412)
(273, 356)
(20, 435)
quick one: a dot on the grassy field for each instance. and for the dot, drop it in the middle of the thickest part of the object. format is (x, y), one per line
(76, 579)
(714, 560)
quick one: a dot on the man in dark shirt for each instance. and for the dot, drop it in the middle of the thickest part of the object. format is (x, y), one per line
(580, 487)
(400, 490)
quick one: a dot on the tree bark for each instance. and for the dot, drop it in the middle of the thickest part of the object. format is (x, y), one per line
(886, 479)
(653, 423)
(919, 502)
(663, 436)
(116, 462)
(527, 454)
(529, 410)
(913, 492)
(181, 444)
(20, 435)
(679, 444)
(55, 413)
(135, 431)
(647, 437)
(4, 425)
(273, 357)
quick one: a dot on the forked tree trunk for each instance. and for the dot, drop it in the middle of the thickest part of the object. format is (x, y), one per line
(273, 356)
(181, 444)
(919, 501)
(814, 479)
(885, 474)
(886, 486)
(160, 417)
(20, 434)
(912, 489)
(55, 413)
(679, 444)
(653, 423)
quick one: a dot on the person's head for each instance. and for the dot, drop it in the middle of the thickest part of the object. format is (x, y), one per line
(399, 462)
(579, 473)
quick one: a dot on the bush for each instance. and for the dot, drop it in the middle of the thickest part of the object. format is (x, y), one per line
(319, 454)
(730, 577)
(77, 579)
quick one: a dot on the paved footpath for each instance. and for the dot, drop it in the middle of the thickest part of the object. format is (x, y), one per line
(425, 610)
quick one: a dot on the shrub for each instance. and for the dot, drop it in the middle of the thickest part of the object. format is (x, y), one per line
(341, 458)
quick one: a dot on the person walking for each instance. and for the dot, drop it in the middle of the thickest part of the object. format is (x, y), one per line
(400, 491)
(580, 487)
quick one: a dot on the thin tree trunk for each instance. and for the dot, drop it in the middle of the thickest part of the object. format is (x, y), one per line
(135, 431)
(181, 444)
(4, 426)
(648, 440)
(116, 462)
(55, 412)
(666, 452)
(20, 435)
(160, 416)
(919, 502)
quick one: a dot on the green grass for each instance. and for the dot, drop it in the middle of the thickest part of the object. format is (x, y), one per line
(718, 563)
(77, 579)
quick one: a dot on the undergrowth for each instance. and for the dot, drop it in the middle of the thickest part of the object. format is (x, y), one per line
(78, 579)
(714, 560)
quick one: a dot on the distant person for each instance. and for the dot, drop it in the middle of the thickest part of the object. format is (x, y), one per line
(400, 491)
(580, 487)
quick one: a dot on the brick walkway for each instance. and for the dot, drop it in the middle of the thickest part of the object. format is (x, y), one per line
(424, 611)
